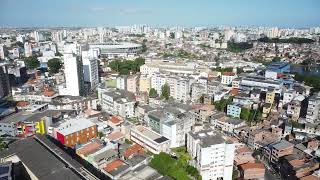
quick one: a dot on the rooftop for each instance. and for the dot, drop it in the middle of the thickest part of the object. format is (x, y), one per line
(208, 137)
(74, 125)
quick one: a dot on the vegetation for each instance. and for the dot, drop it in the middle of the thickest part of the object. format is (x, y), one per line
(127, 141)
(165, 92)
(309, 80)
(293, 40)
(100, 134)
(222, 70)
(2, 144)
(32, 62)
(238, 47)
(175, 168)
(222, 104)
(58, 54)
(124, 67)
(250, 115)
(54, 65)
(153, 93)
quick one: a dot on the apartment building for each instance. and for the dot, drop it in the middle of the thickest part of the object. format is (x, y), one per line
(278, 149)
(313, 111)
(144, 83)
(234, 110)
(227, 78)
(157, 81)
(133, 83)
(212, 155)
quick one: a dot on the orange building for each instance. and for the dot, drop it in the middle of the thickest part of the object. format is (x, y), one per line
(76, 131)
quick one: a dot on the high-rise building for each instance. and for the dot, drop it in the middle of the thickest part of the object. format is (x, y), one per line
(211, 154)
(27, 49)
(74, 75)
(2, 51)
(36, 36)
(5, 88)
(90, 68)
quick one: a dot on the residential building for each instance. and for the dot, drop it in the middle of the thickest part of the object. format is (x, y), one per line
(176, 129)
(90, 68)
(270, 95)
(144, 83)
(252, 171)
(27, 49)
(133, 84)
(122, 82)
(313, 111)
(157, 81)
(74, 75)
(75, 131)
(227, 78)
(234, 110)
(278, 149)
(2, 51)
(297, 108)
(5, 88)
(212, 155)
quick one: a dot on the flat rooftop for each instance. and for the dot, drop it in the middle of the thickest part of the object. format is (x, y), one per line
(208, 137)
(151, 134)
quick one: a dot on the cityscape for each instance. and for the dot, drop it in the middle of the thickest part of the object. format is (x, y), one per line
(140, 90)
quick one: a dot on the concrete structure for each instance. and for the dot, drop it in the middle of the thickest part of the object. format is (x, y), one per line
(144, 83)
(90, 67)
(74, 75)
(149, 139)
(75, 131)
(157, 81)
(227, 78)
(122, 82)
(114, 50)
(252, 171)
(5, 88)
(313, 111)
(211, 154)
(278, 149)
(133, 83)
(234, 110)
(27, 49)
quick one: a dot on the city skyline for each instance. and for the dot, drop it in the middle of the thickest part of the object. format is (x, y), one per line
(36, 13)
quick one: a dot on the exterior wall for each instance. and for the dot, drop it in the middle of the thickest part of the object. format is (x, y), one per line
(80, 137)
(253, 173)
(144, 84)
(227, 80)
(6, 128)
(234, 110)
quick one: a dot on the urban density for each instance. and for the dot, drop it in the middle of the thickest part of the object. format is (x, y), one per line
(132, 102)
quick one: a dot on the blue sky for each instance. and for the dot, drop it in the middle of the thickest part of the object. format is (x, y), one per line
(283, 13)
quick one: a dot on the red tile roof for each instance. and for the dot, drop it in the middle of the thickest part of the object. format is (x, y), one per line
(115, 136)
(49, 93)
(22, 103)
(113, 165)
(132, 150)
(115, 120)
(228, 74)
(252, 166)
(89, 148)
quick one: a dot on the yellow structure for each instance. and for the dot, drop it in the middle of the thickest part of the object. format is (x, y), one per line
(144, 84)
(270, 96)
(40, 127)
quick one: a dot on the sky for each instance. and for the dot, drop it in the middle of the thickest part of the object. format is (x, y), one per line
(42, 13)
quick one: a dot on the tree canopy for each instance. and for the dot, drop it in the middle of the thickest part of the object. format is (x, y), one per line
(238, 47)
(153, 93)
(125, 66)
(32, 62)
(165, 92)
(293, 40)
(54, 65)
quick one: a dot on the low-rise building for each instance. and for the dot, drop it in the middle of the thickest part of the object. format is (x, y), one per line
(149, 139)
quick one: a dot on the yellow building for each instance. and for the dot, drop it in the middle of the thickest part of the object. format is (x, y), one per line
(144, 84)
(270, 96)
(40, 127)
(266, 110)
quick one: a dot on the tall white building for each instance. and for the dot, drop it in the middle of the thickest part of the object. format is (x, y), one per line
(27, 49)
(211, 154)
(74, 75)
(157, 81)
(313, 112)
(2, 49)
(36, 36)
(179, 88)
(90, 67)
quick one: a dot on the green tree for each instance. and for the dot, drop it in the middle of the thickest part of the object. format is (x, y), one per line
(153, 93)
(245, 114)
(165, 94)
(32, 62)
(54, 65)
